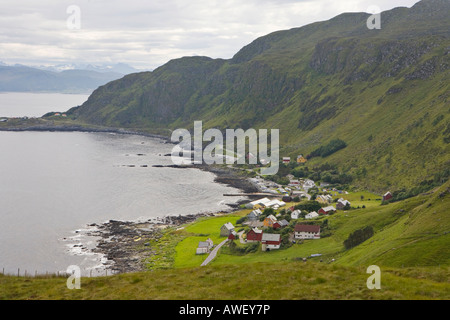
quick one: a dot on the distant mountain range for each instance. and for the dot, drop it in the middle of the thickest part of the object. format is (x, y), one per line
(385, 93)
(66, 78)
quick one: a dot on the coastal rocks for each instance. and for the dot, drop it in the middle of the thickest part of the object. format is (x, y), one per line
(125, 244)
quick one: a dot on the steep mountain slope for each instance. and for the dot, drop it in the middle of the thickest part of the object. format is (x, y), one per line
(384, 92)
(414, 232)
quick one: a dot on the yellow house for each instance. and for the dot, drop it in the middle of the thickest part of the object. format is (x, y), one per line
(269, 221)
(301, 159)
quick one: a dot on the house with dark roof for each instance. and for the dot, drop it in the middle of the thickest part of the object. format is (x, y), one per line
(306, 231)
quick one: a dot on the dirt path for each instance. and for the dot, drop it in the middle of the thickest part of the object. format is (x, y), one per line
(213, 253)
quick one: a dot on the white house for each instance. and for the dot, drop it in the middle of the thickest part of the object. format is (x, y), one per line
(306, 231)
(308, 184)
(295, 214)
(311, 215)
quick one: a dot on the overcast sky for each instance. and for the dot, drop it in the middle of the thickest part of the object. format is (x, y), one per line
(147, 34)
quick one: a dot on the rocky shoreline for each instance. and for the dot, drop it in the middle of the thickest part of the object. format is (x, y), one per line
(125, 243)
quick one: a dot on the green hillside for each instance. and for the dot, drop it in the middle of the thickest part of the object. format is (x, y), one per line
(384, 92)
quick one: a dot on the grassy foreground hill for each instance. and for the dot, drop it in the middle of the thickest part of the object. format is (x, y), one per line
(293, 280)
(384, 92)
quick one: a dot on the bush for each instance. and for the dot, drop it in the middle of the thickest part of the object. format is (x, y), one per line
(309, 206)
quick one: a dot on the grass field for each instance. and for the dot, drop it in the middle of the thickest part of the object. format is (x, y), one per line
(290, 280)
(200, 231)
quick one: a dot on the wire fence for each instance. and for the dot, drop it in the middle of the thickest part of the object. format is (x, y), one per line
(58, 274)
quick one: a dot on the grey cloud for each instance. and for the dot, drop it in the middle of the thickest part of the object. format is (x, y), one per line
(147, 34)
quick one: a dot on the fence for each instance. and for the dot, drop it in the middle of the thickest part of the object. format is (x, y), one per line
(63, 274)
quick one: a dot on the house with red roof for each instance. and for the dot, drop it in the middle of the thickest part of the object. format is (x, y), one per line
(306, 231)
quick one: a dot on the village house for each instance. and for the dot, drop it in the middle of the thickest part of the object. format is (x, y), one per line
(254, 215)
(387, 196)
(226, 229)
(311, 215)
(286, 160)
(233, 235)
(254, 235)
(301, 159)
(341, 204)
(270, 241)
(204, 246)
(280, 224)
(327, 210)
(324, 198)
(295, 214)
(269, 221)
(306, 231)
(308, 184)
(294, 183)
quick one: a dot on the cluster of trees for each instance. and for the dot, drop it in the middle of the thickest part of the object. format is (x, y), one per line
(359, 236)
(328, 149)
(325, 172)
(308, 206)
